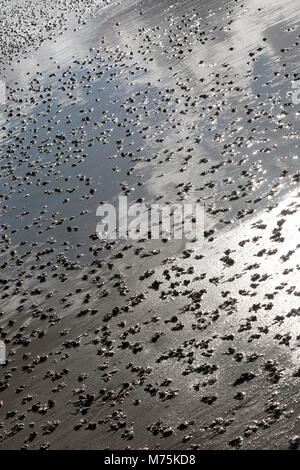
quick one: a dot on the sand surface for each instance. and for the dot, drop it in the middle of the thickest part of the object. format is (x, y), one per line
(147, 344)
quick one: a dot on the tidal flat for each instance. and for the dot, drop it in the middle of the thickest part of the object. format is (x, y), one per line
(121, 344)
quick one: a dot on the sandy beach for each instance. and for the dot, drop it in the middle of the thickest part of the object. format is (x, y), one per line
(150, 344)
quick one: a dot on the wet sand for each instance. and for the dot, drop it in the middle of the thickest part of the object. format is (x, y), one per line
(115, 345)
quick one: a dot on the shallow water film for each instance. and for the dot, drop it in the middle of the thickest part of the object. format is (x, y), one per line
(149, 342)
